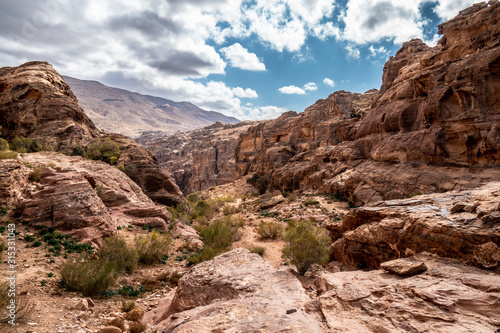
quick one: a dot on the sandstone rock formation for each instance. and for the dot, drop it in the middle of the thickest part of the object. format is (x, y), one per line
(35, 102)
(448, 297)
(434, 119)
(238, 291)
(393, 229)
(201, 158)
(82, 198)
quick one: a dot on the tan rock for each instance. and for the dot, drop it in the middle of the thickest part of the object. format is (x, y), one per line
(82, 305)
(110, 329)
(446, 298)
(404, 266)
(271, 202)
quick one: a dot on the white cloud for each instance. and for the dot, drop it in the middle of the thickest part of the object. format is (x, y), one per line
(376, 20)
(352, 51)
(329, 82)
(447, 9)
(311, 86)
(291, 90)
(375, 52)
(247, 93)
(323, 31)
(263, 112)
(239, 57)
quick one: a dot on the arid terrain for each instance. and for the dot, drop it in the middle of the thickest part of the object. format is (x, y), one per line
(374, 212)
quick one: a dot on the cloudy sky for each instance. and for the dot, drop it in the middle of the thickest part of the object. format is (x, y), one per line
(249, 59)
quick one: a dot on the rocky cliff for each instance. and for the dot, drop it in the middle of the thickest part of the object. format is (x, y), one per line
(434, 123)
(35, 102)
(199, 159)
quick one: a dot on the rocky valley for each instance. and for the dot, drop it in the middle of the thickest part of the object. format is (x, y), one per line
(367, 212)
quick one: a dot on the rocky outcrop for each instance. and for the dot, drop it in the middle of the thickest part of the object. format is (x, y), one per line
(448, 297)
(35, 102)
(199, 159)
(82, 198)
(238, 291)
(435, 223)
(142, 167)
(437, 113)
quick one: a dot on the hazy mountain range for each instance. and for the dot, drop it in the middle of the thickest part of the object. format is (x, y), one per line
(129, 113)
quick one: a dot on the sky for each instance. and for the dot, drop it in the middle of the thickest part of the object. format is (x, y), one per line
(248, 59)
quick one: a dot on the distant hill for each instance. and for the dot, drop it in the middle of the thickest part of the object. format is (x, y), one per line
(122, 111)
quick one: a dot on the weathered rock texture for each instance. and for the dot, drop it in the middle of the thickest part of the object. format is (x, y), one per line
(82, 198)
(435, 117)
(393, 229)
(201, 158)
(238, 291)
(447, 297)
(35, 102)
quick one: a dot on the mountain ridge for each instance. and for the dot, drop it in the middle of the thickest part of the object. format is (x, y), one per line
(130, 113)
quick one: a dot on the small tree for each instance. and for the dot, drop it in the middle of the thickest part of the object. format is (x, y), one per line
(305, 246)
(4, 145)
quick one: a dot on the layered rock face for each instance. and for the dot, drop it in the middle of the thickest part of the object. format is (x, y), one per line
(201, 158)
(35, 102)
(457, 224)
(437, 112)
(82, 198)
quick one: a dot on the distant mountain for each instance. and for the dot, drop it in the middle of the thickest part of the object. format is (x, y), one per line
(122, 111)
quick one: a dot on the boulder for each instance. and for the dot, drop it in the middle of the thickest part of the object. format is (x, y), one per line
(404, 266)
(271, 202)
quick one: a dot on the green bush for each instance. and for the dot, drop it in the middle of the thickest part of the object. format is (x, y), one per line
(35, 175)
(217, 238)
(305, 246)
(201, 209)
(193, 198)
(4, 145)
(90, 277)
(257, 249)
(28, 145)
(173, 212)
(115, 249)
(153, 247)
(270, 230)
(310, 202)
(77, 151)
(8, 155)
(107, 151)
(229, 210)
(261, 183)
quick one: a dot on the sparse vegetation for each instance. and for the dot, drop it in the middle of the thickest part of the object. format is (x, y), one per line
(257, 249)
(310, 202)
(193, 197)
(77, 151)
(90, 277)
(170, 278)
(217, 238)
(229, 210)
(117, 322)
(128, 306)
(153, 247)
(8, 155)
(24, 307)
(305, 246)
(35, 175)
(106, 150)
(261, 183)
(136, 327)
(28, 145)
(4, 145)
(115, 249)
(415, 194)
(134, 314)
(201, 209)
(270, 230)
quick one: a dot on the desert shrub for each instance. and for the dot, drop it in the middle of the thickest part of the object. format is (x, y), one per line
(257, 249)
(29, 238)
(35, 175)
(117, 322)
(217, 238)
(170, 278)
(310, 202)
(270, 230)
(4, 145)
(136, 327)
(8, 155)
(128, 306)
(261, 183)
(77, 151)
(226, 198)
(115, 249)
(134, 315)
(236, 223)
(121, 167)
(90, 277)
(305, 246)
(24, 307)
(153, 247)
(28, 145)
(201, 209)
(193, 197)
(106, 150)
(173, 212)
(151, 284)
(229, 210)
